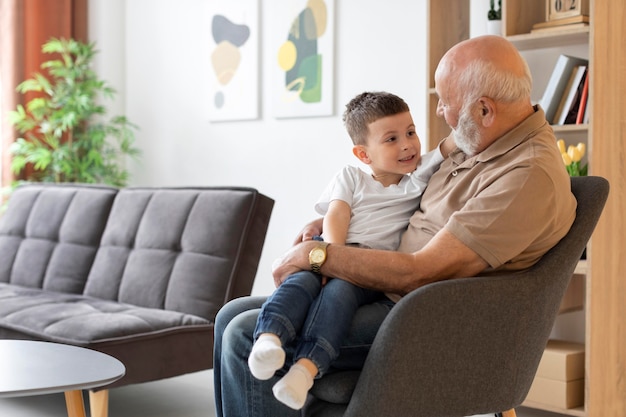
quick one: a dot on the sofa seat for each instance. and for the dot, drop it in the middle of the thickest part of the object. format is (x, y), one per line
(85, 321)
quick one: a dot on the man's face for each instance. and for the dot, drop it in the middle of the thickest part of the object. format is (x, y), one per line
(460, 118)
(467, 134)
(449, 112)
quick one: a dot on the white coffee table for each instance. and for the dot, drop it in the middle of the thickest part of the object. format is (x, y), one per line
(35, 368)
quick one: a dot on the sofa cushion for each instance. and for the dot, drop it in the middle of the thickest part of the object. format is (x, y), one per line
(152, 343)
(49, 236)
(81, 320)
(336, 387)
(187, 250)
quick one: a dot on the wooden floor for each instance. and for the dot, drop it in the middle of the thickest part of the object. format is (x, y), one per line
(185, 396)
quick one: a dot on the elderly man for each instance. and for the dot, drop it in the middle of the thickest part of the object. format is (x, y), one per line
(499, 202)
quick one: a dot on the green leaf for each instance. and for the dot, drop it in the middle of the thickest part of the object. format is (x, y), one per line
(28, 85)
(64, 137)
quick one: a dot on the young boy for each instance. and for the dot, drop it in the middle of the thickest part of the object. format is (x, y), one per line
(359, 208)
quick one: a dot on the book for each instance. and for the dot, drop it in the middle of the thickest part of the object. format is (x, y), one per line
(556, 84)
(572, 111)
(582, 108)
(571, 94)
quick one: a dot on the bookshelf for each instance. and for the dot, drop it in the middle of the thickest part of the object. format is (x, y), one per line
(605, 283)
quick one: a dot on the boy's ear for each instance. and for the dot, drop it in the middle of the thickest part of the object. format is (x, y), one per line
(361, 152)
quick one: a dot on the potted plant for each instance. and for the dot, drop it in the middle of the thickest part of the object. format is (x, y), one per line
(65, 137)
(494, 16)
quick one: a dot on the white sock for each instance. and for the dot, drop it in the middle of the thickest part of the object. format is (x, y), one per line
(266, 357)
(292, 389)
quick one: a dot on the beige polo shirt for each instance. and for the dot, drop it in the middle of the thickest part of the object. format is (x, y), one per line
(510, 204)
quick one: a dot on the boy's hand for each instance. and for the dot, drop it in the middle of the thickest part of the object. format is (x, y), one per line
(309, 231)
(447, 145)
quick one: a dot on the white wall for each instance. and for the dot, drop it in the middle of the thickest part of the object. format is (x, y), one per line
(155, 54)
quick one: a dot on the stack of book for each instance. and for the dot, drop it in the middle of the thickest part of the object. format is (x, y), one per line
(565, 97)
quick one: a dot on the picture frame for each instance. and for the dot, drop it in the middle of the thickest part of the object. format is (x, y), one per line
(302, 39)
(233, 52)
(562, 9)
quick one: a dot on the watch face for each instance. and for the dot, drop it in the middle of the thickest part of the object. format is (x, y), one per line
(317, 256)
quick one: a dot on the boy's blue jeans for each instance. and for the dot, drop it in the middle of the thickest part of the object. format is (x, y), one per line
(238, 393)
(316, 318)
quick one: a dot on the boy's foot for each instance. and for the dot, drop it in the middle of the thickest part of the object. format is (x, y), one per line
(293, 388)
(266, 357)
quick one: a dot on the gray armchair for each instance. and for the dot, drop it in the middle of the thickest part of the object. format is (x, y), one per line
(465, 346)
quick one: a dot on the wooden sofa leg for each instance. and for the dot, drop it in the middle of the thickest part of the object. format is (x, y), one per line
(509, 413)
(99, 403)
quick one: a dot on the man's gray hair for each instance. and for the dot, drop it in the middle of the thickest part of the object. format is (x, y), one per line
(483, 79)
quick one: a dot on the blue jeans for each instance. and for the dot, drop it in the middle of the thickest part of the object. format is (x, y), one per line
(238, 393)
(316, 318)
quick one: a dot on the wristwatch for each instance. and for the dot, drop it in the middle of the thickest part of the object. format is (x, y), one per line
(317, 257)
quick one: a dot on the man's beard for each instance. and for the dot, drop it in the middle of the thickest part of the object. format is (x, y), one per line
(467, 134)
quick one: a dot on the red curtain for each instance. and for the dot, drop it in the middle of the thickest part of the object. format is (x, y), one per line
(26, 26)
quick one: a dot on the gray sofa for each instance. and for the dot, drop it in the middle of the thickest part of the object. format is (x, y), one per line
(138, 273)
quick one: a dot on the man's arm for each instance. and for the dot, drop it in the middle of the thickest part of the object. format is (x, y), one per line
(444, 257)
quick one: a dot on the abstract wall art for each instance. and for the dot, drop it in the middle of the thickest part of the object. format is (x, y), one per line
(234, 60)
(302, 40)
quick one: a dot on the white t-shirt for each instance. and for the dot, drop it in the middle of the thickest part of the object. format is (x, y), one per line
(379, 214)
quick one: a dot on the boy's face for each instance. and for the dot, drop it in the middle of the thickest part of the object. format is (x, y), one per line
(393, 146)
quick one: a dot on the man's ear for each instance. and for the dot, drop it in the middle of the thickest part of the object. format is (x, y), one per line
(487, 111)
(361, 152)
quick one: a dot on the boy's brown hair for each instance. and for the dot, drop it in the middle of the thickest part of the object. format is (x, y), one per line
(368, 107)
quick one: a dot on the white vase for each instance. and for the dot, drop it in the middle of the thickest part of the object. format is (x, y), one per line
(494, 27)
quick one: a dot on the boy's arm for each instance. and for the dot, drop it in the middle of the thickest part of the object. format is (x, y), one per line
(336, 222)
(447, 145)
(433, 159)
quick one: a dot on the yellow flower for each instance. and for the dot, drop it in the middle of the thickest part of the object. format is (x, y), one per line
(572, 158)
(566, 158)
(574, 153)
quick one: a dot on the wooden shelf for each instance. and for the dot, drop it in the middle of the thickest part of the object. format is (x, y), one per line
(565, 37)
(570, 128)
(449, 21)
(578, 411)
(448, 24)
(581, 268)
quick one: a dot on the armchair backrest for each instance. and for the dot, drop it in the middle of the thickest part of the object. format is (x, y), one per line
(472, 346)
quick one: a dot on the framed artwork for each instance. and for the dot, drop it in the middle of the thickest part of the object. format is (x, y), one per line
(301, 57)
(234, 59)
(561, 9)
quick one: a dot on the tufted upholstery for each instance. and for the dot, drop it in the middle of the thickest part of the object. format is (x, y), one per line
(138, 273)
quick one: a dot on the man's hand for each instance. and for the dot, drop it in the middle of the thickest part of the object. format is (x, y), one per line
(296, 259)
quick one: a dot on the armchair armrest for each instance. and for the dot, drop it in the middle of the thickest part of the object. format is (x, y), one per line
(456, 344)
